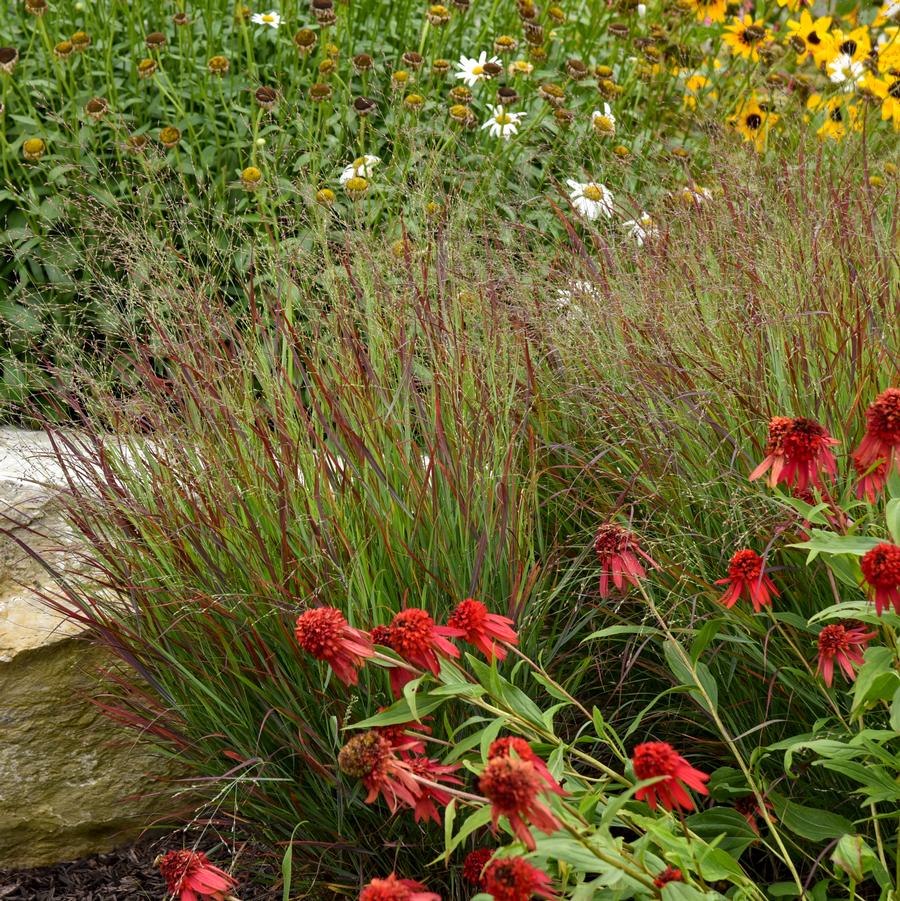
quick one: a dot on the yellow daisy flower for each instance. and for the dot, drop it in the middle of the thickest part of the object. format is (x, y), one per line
(810, 37)
(839, 117)
(709, 10)
(745, 36)
(753, 122)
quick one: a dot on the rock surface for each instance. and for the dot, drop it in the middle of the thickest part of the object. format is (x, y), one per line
(65, 769)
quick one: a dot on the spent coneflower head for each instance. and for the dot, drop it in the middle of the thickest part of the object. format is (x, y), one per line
(156, 40)
(881, 570)
(136, 143)
(504, 44)
(147, 68)
(798, 451)
(413, 60)
(325, 633)
(305, 41)
(9, 56)
(363, 62)
(96, 108)
(189, 876)
(266, 97)
(33, 149)
(370, 758)
(251, 178)
(507, 96)
(576, 69)
(356, 187)
(882, 438)
(394, 889)
(323, 10)
(63, 50)
(620, 554)
(554, 94)
(513, 787)
(414, 102)
(437, 15)
(659, 760)
(320, 92)
(363, 106)
(81, 40)
(326, 197)
(218, 65)
(483, 629)
(36, 7)
(440, 67)
(473, 866)
(515, 879)
(181, 19)
(747, 576)
(169, 136)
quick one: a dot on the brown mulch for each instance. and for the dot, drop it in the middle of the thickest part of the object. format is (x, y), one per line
(124, 875)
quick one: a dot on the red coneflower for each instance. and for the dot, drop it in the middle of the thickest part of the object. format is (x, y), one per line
(798, 450)
(483, 629)
(370, 758)
(325, 633)
(669, 874)
(191, 876)
(746, 576)
(394, 889)
(655, 759)
(870, 480)
(844, 644)
(399, 737)
(415, 637)
(431, 795)
(882, 438)
(748, 807)
(501, 747)
(618, 551)
(881, 569)
(512, 786)
(515, 879)
(473, 866)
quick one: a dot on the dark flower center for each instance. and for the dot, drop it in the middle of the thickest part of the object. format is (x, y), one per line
(754, 120)
(849, 47)
(813, 38)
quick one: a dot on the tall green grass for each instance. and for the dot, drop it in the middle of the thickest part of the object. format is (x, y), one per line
(384, 429)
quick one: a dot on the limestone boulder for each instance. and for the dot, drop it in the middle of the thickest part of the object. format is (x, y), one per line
(72, 782)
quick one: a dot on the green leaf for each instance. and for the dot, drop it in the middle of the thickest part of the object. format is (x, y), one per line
(287, 866)
(895, 711)
(892, 515)
(726, 824)
(609, 631)
(853, 856)
(810, 822)
(823, 542)
(400, 712)
(877, 680)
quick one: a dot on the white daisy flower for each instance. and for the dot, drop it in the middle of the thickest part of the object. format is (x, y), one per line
(501, 123)
(360, 168)
(591, 199)
(641, 229)
(471, 71)
(642, 10)
(604, 123)
(845, 70)
(271, 19)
